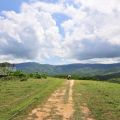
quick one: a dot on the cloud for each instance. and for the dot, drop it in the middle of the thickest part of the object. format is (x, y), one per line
(91, 31)
(104, 6)
(28, 35)
(94, 35)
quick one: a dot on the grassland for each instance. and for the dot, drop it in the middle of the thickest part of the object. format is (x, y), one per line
(18, 98)
(102, 98)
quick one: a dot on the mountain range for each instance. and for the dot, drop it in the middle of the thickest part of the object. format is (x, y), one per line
(77, 69)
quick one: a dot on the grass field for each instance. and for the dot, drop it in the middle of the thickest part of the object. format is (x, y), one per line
(102, 99)
(18, 98)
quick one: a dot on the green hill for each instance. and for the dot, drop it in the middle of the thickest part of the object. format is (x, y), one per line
(77, 69)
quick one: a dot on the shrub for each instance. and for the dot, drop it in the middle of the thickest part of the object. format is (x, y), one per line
(20, 75)
(44, 76)
(25, 78)
(37, 75)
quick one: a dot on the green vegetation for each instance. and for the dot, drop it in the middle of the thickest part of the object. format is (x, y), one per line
(37, 75)
(22, 76)
(18, 98)
(102, 98)
(76, 69)
(21, 91)
(108, 77)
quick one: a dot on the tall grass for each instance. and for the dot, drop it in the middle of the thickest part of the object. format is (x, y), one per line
(18, 98)
(102, 98)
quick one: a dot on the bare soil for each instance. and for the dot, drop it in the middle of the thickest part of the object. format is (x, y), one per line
(59, 106)
(86, 112)
(56, 108)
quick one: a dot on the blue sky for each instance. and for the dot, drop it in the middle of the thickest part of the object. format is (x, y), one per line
(59, 18)
(15, 5)
(60, 31)
(7, 5)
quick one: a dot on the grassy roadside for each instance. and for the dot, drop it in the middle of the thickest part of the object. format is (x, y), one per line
(102, 98)
(18, 98)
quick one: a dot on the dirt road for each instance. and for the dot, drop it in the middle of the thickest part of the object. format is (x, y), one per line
(58, 107)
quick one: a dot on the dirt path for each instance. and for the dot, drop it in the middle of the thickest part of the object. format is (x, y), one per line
(58, 107)
(86, 112)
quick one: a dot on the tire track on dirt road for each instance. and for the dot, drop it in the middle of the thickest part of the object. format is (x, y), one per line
(56, 108)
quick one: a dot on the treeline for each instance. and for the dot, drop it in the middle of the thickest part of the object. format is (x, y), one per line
(112, 77)
(22, 76)
(109, 77)
(76, 77)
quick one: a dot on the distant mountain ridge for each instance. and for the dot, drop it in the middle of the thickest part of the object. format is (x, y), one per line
(78, 69)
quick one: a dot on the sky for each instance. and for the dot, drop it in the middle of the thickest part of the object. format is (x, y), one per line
(60, 31)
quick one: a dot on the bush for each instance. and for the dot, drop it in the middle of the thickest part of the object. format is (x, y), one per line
(38, 75)
(44, 76)
(24, 78)
(19, 75)
(31, 75)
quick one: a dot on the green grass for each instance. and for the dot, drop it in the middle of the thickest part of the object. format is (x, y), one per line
(18, 98)
(102, 98)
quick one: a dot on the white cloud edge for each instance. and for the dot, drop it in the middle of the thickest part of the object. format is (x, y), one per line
(63, 49)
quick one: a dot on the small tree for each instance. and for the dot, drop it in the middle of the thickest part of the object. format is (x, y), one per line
(37, 75)
(19, 74)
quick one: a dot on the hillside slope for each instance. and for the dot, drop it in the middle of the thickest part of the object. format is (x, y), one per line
(78, 69)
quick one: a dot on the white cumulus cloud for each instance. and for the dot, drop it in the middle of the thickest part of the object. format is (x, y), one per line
(91, 34)
(28, 35)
